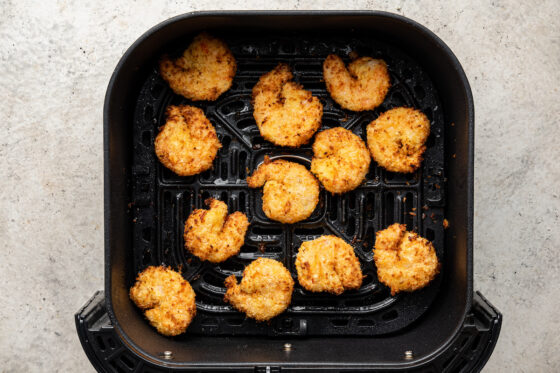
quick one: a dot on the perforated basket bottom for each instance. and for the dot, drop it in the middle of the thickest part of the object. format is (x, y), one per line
(161, 201)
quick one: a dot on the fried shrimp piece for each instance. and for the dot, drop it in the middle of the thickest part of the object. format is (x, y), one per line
(187, 144)
(290, 192)
(404, 260)
(265, 290)
(340, 160)
(286, 114)
(396, 139)
(213, 235)
(329, 264)
(363, 86)
(167, 299)
(204, 71)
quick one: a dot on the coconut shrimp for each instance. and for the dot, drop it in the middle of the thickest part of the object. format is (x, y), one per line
(204, 71)
(290, 192)
(265, 290)
(329, 264)
(396, 139)
(340, 160)
(167, 299)
(286, 114)
(404, 260)
(361, 86)
(187, 144)
(212, 234)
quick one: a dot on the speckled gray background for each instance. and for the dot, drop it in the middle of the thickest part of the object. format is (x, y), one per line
(56, 60)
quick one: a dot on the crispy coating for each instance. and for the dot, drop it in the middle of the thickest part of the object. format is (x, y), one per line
(340, 160)
(329, 264)
(404, 260)
(167, 299)
(187, 144)
(212, 234)
(363, 86)
(265, 290)
(204, 71)
(286, 114)
(290, 192)
(396, 139)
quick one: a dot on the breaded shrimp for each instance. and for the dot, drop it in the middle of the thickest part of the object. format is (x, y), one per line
(396, 139)
(363, 86)
(340, 160)
(204, 71)
(286, 114)
(290, 192)
(167, 299)
(212, 234)
(187, 144)
(328, 263)
(404, 260)
(265, 290)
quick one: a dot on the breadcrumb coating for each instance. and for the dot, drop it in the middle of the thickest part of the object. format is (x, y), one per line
(363, 86)
(167, 299)
(212, 234)
(187, 144)
(404, 260)
(290, 192)
(329, 264)
(396, 139)
(340, 160)
(265, 290)
(204, 71)
(286, 114)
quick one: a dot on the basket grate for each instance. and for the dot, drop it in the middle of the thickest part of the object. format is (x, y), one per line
(161, 200)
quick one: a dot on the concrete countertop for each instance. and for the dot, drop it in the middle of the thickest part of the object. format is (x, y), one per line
(56, 60)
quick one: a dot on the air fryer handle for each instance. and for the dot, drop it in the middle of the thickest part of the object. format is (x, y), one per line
(489, 326)
(469, 352)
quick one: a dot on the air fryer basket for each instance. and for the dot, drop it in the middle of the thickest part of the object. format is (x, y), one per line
(146, 205)
(161, 200)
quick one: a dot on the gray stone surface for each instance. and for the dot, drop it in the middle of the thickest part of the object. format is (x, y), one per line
(56, 59)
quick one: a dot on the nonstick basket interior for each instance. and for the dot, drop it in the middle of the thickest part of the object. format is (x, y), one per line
(161, 200)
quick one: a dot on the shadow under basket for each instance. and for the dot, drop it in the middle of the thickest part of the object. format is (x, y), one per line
(438, 328)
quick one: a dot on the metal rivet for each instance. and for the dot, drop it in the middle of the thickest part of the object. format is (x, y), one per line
(167, 355)
(408, 355)
(287, 347)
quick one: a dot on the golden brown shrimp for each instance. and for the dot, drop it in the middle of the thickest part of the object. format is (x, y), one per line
(212, 234)
(340, 160)
(363, 86)
(396, 139)
(204, 71)
(167, 299)
(329, 264)
(187, 144)
(404, 260)
(265, 290)
(290, 192)
(286, 114)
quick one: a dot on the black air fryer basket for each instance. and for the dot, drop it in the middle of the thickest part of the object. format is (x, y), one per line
(439, 328)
